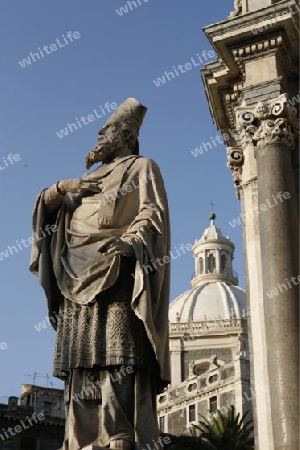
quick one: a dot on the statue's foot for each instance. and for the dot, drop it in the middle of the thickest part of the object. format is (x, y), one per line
(120, 444)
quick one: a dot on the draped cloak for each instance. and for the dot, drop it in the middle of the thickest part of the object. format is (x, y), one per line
(133, 205)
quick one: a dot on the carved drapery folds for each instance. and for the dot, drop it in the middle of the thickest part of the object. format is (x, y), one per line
(268, 122)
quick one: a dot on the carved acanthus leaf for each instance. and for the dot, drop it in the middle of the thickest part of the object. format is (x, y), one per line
(268, 122)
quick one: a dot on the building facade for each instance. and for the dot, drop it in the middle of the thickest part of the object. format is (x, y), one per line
(208, 340)
(37, 423)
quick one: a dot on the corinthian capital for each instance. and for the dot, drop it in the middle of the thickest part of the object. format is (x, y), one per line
(268, 122)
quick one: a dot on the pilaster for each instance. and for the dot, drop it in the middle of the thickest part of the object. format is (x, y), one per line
(176, 365)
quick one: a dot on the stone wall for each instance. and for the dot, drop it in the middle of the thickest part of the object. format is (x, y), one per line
(177, 422)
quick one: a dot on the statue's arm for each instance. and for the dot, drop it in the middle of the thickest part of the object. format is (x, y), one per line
(53, 197)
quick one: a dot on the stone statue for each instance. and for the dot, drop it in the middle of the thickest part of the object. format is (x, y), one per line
(191, 368)
(109, 312)
(213, 362)
(241, 346)
(238, 5)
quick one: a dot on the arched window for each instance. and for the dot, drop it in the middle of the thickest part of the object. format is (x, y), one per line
(211, 263)
(223, 264)
(201, 267)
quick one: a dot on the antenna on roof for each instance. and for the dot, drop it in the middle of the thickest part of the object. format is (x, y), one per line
(38, 375)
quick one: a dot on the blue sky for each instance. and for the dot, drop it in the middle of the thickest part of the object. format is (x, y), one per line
(115, 57)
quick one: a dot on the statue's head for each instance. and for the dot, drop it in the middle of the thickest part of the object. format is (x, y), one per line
(120, 132)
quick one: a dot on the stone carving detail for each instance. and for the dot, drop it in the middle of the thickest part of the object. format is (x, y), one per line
(268, 122)
(231, 101)
(235, 162)
(235, 157)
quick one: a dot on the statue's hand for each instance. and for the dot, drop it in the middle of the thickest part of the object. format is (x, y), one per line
(77, 185)
(115, 245)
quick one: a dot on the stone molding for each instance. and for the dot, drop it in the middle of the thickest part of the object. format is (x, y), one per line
(236, 44)
(193, 330)
(262, 47)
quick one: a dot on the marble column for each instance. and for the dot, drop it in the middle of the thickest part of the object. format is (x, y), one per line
(270, 127)
(218, 261)
(279, 264)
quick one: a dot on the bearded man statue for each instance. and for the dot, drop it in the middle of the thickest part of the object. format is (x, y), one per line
(107, 286)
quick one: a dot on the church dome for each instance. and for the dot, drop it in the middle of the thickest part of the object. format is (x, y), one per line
(209, 301)
(214, 294)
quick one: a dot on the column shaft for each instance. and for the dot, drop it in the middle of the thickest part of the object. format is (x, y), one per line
(279, 253)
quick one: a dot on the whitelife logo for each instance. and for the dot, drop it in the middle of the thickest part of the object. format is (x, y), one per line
(10, 432)
(180, 69)
(11, 250)
(124, 9)
(280, 197)
(274, 292)
(85, 120)
(9, 160)
(53, 47)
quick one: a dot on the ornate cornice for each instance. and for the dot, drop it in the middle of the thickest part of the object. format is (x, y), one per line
(252, 35)
(269, 122)
(263, 46)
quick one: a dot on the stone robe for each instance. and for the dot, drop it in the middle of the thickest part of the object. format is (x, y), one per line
(132, 204)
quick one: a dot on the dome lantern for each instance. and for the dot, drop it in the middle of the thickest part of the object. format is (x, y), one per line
(213, 255)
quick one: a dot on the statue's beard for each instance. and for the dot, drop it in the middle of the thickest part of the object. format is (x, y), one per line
(100, 152)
